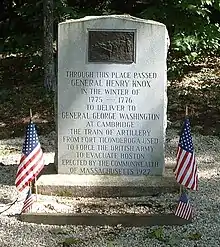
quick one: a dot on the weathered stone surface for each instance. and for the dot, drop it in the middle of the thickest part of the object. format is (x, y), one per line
(111, 96)
(105, 185)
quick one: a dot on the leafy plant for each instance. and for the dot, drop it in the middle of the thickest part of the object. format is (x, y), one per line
(193, 30)
(70, 241)
(195, 236)
(58, 231)
(157, 233)
(110, 244)
(193, 26)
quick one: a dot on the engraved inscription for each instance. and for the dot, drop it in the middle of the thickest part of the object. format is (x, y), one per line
(110, 138)
(111, 46)
(111, 97)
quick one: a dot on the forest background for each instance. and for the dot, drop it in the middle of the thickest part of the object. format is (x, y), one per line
(193, 58)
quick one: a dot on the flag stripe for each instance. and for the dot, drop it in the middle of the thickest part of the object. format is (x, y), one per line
(30, 172)
(27, 205)
(186, 169)
(194, 183)
(181, 160)
(30, 166)
(30, 199)
(188, 179)
(27, 179)
(188, 173)
(183, 209)
(31, 162)
(28, 161)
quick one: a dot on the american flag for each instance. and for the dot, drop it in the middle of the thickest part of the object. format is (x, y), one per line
(31, 162)
(30, 199)
(184, 210)
(186, 168)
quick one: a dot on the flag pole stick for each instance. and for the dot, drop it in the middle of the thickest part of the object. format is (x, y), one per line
(30, 187)
(30, 114)
(187, 112)
(181, 189)
(35, 187)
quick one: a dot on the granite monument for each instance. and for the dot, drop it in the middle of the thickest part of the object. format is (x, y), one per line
(112, 96)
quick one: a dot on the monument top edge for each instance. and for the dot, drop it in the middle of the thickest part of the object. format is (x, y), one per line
(121, 17)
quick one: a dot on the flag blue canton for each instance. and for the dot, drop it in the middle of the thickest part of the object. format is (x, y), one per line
(185, 141)
(31, 139)
(183, 198)
(184, 210)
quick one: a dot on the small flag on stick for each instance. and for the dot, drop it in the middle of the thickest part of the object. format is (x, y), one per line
(184, 210)
(186, 168)
(30, 199)
(31, 162)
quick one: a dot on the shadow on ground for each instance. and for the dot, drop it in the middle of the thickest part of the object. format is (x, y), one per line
(21, 88)
(8, 174)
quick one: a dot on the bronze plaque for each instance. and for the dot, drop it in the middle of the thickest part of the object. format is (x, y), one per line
(111, 47)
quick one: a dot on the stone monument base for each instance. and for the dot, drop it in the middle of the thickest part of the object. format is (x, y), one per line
(102, 220)
(50, 183)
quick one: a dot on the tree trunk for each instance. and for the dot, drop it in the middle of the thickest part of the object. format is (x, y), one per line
(50, 81)
(49, 70)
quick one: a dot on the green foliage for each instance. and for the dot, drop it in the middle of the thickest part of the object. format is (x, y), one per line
(23, 31)
(173, 239)
(68, 242)
(58, 231)
(110, 244)
(157, 234)
(193, 25)
(195, 236)
(63, 12)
